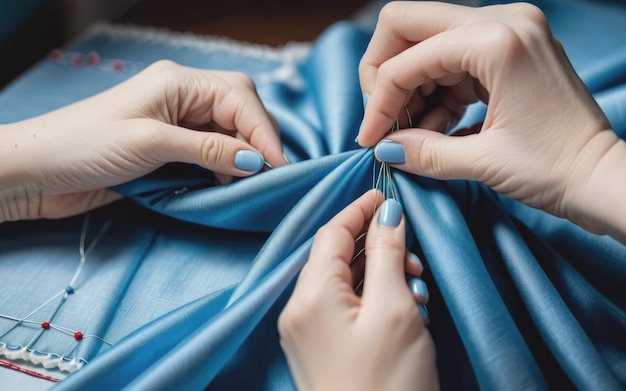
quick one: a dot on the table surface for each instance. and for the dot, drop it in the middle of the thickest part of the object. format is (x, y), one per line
(265, 22)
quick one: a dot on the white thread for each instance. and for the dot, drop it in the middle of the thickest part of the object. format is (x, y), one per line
(50, 360)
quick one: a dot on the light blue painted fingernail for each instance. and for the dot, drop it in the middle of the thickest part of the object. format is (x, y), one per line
(249, 160)
(390, 213)
(366, 99)
(389, 152)
(418, 287)
(415, 258)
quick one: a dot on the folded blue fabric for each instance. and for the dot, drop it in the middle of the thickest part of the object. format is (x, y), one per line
(184, 289)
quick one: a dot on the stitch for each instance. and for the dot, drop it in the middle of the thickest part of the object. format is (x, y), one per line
(9, 365)
(49, 360)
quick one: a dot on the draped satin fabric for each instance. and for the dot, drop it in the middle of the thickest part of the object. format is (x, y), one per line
(188, 282)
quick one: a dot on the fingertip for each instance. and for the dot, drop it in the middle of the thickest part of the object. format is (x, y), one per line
(418, 288)
(439, 156)
(390, 213)
(249, 161)
(413, 265)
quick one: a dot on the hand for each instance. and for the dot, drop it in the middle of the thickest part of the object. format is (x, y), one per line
(336, 340)
(62, 163)
(544, 140)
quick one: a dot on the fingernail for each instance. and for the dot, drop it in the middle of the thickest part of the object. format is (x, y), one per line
(390, 213)
(286, 158)
(366, 99)
(423, 312)
(249, 160)
(356, 140)
(414, 258)
(418, 287)
(388, 151)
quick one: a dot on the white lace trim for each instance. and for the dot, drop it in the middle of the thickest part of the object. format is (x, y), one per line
(292, 51)
(46, 360)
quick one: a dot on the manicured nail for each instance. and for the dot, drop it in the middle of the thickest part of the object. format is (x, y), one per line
(414, 258)
(418, 287)
(366, 99)
(356, 140)
(389, 152)
(390, 213)
(249, 160)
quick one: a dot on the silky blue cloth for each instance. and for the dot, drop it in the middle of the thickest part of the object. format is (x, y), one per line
(186, 285)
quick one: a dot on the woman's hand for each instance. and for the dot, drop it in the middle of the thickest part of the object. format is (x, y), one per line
(62, 163)
(337, 340)
(544, 140)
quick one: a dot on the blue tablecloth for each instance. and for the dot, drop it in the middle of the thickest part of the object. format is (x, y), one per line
(184, 289)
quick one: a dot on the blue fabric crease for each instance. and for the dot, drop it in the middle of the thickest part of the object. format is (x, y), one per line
(188, 283)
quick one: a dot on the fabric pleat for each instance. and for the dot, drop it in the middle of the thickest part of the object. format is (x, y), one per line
(185, 288)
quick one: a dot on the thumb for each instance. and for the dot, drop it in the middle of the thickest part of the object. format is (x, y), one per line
(385, 253)
(214, 151)
(428, 153)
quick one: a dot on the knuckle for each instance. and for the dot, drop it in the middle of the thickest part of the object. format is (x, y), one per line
(386, 244)
(325, 234)
(364, 65)
(401, 313)
(529, 12)
(212, 151)
(163, 66)
(426, 156)
(242, 79)
(298, 313)
(505, 42)
(386, 72)
(390, 13)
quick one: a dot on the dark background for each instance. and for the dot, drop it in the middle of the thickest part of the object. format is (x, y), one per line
(47, 24)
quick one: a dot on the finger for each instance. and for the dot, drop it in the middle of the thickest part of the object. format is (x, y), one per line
(418, 289)
(435, 155)
(385, 256)
(228, 99)
(214, 151)
(413, 265)
(442, 56)
(333, 245)
(401, 25)
(241, 109)
(397, 79)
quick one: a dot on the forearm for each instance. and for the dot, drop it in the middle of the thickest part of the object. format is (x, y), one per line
(13, 173)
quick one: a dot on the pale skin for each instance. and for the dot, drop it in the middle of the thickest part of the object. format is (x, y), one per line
(544, 142)
(62, 163)
(561, 156)
(337, 340)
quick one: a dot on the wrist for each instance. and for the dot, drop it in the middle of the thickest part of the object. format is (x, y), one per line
(13, 174)
(601, 207)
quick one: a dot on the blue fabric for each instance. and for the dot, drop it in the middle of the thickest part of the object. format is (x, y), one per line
(189, 280)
